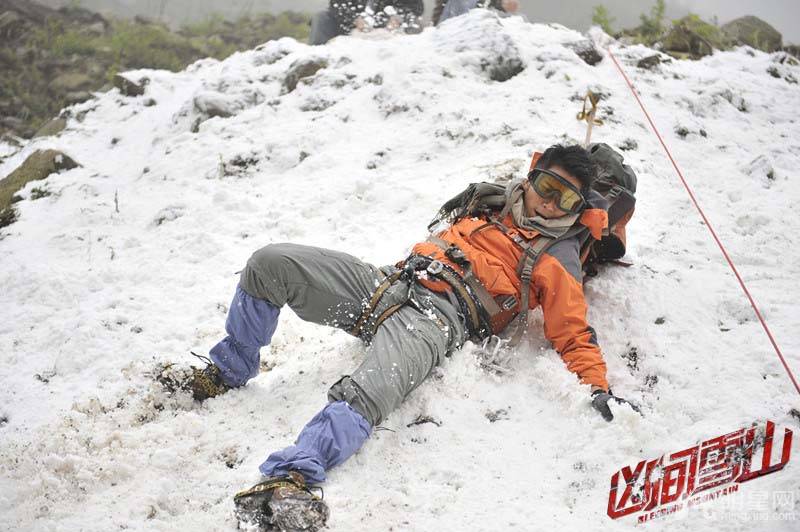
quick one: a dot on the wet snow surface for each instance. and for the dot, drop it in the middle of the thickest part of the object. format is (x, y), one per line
(131, 261)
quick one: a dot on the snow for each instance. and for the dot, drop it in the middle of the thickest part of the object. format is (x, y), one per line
(132, 260)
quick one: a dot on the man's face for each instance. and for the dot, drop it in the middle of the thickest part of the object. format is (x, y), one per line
(546, 208)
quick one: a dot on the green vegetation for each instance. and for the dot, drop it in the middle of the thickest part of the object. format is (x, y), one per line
(601, 18)
(37, 166)
(49, 66)
(694, 36)
(687, 37)
(652, 27)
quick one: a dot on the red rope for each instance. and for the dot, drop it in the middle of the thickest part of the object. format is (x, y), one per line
(708, 224)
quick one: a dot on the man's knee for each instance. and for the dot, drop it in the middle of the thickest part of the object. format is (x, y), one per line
(266, 274)
(346, 389)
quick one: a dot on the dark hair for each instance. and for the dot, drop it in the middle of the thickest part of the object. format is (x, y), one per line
(574, 159)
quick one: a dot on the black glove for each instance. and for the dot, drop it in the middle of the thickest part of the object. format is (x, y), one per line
(600, 401)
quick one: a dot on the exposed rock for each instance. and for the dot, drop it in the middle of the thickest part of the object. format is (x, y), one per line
(651, 61)
(71, 82)
(785, 58)
(752, 31)
(33, 11)
(53, 127)
(38, 165)
(98, 28)
(479, 42)
(586, 51)
(693, 36)
(761, 167)
(213, 104)
(300, 69)
(127, 86)
(503, 60)
(504, 68)
(71, 98)
(11, 122)
(269, 56)
(40, 45)
(11, 25)
(86, 18)
(682, 131)
(735, 100)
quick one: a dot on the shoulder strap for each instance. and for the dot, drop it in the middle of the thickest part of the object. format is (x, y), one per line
(531, 253)
(530, 256)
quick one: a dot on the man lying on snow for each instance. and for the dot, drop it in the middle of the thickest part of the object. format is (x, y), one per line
(468, 281)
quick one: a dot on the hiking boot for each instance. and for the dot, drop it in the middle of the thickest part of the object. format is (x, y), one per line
(281, 503)
(203, 383)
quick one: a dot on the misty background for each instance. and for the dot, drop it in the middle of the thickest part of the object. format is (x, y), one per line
(784, 15)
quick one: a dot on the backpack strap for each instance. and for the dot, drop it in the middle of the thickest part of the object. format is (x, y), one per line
(530, 256)
(531, 253)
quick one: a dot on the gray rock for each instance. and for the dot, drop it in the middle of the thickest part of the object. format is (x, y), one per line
(37, 166)
(586, 51)
(762, 168)
(503, 68)
(98, 28)
(71, 98)
(650, 62)
(754, 32)
(211, 104)
(53, 127)
(128, 87)
(71, 82)
(11, 25)
(12, 122)
(301, 69)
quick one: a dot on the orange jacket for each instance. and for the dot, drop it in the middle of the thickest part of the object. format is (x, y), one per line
(555, 284)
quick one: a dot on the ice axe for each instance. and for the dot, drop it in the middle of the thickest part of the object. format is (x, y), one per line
(590, 101)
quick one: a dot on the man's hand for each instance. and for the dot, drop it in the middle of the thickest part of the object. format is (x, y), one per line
(600, 400)
(510, 6)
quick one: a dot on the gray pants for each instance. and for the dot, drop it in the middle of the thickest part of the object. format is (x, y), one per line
(330, 288)
(324, 27)
(455, 8)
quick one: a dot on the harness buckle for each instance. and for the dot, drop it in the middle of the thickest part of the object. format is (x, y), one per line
(509, 303)
(435, 268)
(455, 254)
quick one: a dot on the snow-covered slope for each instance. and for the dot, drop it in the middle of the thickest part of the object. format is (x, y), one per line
(132, 260)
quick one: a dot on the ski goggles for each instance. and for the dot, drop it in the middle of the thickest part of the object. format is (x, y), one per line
(550, 185)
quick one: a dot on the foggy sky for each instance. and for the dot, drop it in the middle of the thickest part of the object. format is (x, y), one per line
(784, 15)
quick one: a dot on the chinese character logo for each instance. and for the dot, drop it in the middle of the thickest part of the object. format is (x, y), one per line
(712, 469)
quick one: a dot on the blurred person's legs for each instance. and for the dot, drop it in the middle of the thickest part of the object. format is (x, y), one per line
(323, 28)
